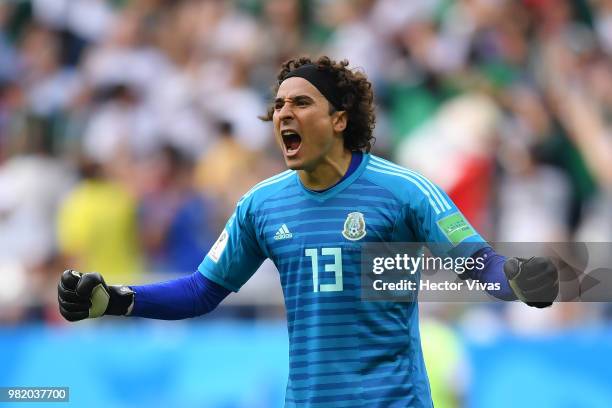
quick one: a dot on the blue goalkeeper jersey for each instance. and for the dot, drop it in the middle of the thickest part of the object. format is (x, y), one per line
(344, 352)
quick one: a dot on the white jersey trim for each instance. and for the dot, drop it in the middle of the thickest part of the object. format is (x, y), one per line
(432, 188)
(413, 181)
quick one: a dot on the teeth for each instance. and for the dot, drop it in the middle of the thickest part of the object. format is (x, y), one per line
(291, 139)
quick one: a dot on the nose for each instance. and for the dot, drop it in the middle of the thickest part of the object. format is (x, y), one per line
(286, 112)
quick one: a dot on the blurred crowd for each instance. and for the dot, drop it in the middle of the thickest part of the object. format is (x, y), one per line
(129, 129)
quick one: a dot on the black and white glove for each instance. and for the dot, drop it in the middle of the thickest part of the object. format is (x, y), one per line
(83, 296)
(535, 281)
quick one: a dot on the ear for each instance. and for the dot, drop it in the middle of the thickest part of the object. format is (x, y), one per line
(339, 121)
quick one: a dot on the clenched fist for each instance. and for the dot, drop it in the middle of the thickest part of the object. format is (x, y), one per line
(83, 296)
(535, 281)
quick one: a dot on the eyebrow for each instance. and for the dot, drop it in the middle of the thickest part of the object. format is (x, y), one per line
(295, 98)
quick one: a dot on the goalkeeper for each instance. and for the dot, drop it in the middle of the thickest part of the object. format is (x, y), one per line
(310, 221)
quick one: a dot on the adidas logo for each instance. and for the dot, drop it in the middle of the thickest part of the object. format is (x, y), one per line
(283, 233)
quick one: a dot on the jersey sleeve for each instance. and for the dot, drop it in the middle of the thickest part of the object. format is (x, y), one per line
(236, 254)
(436, 220)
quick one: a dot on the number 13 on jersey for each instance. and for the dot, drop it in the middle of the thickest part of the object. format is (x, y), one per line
(333, 266)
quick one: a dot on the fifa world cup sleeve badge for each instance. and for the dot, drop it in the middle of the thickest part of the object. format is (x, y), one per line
(354, 226)
(219, 246)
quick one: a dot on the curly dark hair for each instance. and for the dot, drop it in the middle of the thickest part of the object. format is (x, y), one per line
(357, 99)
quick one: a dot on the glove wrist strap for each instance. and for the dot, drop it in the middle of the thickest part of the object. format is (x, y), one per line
(121, 300)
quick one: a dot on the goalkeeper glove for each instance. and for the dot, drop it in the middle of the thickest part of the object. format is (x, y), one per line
(83, 296)
(535, 281)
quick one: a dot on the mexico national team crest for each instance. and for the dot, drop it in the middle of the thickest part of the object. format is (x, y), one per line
(354, 226)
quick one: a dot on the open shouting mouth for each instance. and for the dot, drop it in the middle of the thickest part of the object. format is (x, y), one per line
(292, 142)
